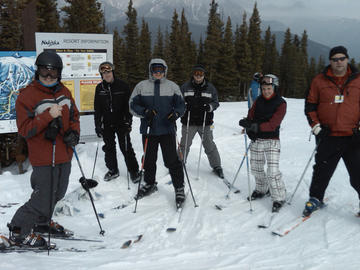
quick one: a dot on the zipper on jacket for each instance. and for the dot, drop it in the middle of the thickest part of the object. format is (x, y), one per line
(110, 95)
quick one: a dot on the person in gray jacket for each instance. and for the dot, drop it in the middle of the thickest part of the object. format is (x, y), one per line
(159, 103)
(201, 101)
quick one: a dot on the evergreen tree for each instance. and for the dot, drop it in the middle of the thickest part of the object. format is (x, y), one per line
(119, 52)
(47, 16)
(167, 52)
(176, 61)
(226, 68)
(213, 43)
(200, 54)
(144, 49)
(159, 46)
(274, 57)
(255, 41)
(311, 72)
(83, 16)
(243, 57)
(131, 33)
(10, 25)
(267, 64)
(287, 62)
(320, 65)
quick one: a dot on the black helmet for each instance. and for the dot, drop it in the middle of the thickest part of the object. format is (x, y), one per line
(48, 58)
(257, 76)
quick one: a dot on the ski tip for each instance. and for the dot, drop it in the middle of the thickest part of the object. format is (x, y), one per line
(275, 233)
(261, 226)
(171, 229)
(218, 207)
(237, 191)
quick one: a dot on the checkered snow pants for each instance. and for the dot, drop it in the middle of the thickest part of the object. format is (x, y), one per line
(267, 150)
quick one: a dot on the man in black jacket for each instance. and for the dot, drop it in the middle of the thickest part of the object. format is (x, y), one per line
(201, 100)
(112, 117)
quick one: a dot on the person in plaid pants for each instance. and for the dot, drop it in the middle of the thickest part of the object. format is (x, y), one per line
(262, 125)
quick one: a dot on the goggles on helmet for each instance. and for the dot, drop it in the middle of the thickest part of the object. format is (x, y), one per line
(267, 81)
(48, 71)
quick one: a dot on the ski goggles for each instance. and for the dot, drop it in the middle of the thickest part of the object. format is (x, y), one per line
(105, 69)
(157, 69)
(48, 71)
(198, 73)
(267, 81)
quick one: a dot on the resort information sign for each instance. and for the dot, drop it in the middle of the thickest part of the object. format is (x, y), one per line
(81, 55)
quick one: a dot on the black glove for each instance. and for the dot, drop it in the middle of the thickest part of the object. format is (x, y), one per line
(87, 183)
(188, 106)
(99, 132)
(173, 116)
(245, 123)
(71, 138)
(53, 129)
(149, 115)
(320, 132)
(356, 137)
(254, 127)
(207, 107)
(252, 135)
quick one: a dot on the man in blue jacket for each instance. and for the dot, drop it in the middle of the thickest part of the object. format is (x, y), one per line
(159, 103)
(254, 90)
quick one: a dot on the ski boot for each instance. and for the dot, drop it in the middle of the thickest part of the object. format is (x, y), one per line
(179, 197)
(135, 177)
(111, 174)
(258, 195)
(277, 205)
(56, 230)
(219, 172)
(312, 205)
(30, 240)
(146, 190)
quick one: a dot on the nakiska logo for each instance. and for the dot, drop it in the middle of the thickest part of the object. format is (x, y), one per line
(50, 42)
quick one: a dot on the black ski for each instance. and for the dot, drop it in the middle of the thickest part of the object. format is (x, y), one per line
(129, 242)
(230, 186)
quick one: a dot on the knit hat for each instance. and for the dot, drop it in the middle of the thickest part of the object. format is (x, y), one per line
(199, 67)
(338, 49)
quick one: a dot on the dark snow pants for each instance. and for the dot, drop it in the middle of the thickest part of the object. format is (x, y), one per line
(170, 157)
(125, 147)
(37, 208)
(329, 152)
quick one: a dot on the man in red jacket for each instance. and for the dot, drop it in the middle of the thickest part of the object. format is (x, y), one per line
(332, 108)
(48, 119)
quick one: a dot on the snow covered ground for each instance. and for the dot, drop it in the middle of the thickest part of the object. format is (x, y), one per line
(206, 238)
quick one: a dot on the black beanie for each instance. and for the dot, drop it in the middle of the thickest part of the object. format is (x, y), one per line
(338, 49)
(199, 67)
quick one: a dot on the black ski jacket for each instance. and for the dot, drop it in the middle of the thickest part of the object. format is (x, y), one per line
(196, 95)
(111, 104)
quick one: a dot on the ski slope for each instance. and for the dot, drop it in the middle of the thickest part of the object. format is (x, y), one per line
(205, 238)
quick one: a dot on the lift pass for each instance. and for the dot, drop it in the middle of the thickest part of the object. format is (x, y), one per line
(339, 98)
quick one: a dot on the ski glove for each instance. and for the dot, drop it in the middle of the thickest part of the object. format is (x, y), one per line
(127, 128)
(99, 132)
(71, 138)
(254, 127)
(150, 114)
(173, 116)
(356, 136)
(320, 132)
(245, 123)
(53, 129)
(207, 107)
(188, 106)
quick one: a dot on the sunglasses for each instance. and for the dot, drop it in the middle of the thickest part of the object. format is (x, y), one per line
(48, 71)
(199, 73)
(337, 59)
(105, 69)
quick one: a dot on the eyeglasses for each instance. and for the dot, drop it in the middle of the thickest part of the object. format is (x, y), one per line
(199, 73)
(105, 69)
(337, 59)
(48, 71)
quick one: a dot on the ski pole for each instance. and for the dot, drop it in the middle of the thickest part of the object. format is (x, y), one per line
(126, 153)
(185, 170)
(142, 164)
(96, 154)
(187, 137)
(248, 173)
(202, 138)
(303, 174)
(51, 191)
(87, 184)
(236, 175)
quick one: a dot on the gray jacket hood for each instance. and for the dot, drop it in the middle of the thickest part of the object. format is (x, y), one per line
(157, 61)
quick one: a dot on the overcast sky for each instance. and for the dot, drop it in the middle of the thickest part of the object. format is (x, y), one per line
(321, 8)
